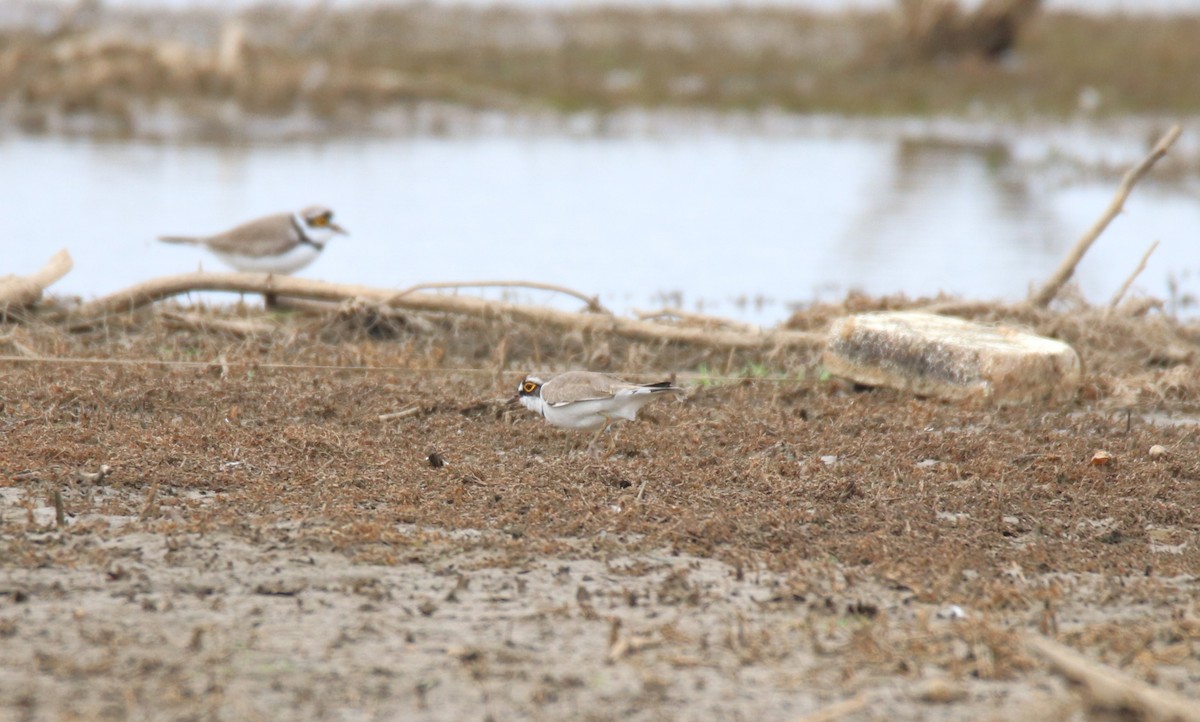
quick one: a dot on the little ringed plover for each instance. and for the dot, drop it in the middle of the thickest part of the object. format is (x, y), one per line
(281, 243)
(588, 400)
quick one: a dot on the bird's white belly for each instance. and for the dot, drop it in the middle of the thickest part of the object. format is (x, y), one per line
(595, 413)
(293, 260)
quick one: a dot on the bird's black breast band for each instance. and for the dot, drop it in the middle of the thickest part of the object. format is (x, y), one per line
(304, 236)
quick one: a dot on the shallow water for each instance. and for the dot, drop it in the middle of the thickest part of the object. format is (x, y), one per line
(718, 218)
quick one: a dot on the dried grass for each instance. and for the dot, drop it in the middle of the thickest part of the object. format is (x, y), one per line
(736, 472)
(870, 509)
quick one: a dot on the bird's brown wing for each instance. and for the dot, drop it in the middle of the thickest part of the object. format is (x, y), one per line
(261, 237)
(582, 386)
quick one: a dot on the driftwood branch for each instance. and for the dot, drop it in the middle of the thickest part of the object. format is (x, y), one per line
(1107, 689)
(21, 291)
(1066, 269)
(696, 319)
(239, 327)
(1141, 266)
(593, 302)
(90, 314)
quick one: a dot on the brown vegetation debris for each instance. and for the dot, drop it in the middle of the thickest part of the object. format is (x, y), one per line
(770, 538)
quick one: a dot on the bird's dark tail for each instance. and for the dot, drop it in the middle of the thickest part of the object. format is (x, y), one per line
(661, 386)
(188, 240)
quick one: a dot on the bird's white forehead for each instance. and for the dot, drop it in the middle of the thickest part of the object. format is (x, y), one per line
(315, 212)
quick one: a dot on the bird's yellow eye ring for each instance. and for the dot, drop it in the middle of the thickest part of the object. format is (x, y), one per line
(319, 221)
(530, 387)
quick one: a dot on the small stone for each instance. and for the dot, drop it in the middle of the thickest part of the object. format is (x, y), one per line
(464, 654)
(1101, 458)
(939, 690)
(953, 359)
(952, 612)
(1158, 450)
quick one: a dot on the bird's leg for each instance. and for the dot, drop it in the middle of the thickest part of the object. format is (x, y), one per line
(612, 444)
(591, 447)
(270, 300)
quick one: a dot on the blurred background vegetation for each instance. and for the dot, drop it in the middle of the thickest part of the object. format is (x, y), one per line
(996, 58)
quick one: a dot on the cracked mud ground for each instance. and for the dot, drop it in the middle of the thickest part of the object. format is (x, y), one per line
(264, 546)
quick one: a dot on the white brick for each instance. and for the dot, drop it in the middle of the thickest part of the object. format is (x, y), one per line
(950, 358)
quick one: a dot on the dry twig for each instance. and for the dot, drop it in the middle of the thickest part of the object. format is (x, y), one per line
(1141, 266)
(642, 489)
(1066, 269)
(94, 312)
(60, 513)
(593, 302)
(19, 347)
(621, 646)
(837, 710)
(402, 413)
(1107, 689)
(699, 319)
(148, 507)
(93, 477)
(241, 328)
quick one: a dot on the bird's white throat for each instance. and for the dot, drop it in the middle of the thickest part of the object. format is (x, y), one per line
(534, 404)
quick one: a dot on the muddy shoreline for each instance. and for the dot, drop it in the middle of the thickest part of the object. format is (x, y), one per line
(267, 542)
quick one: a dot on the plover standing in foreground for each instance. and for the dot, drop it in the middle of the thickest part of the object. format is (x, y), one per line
(588, 400)
(282, 243)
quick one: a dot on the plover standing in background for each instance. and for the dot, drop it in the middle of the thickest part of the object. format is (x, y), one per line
(281, 243)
